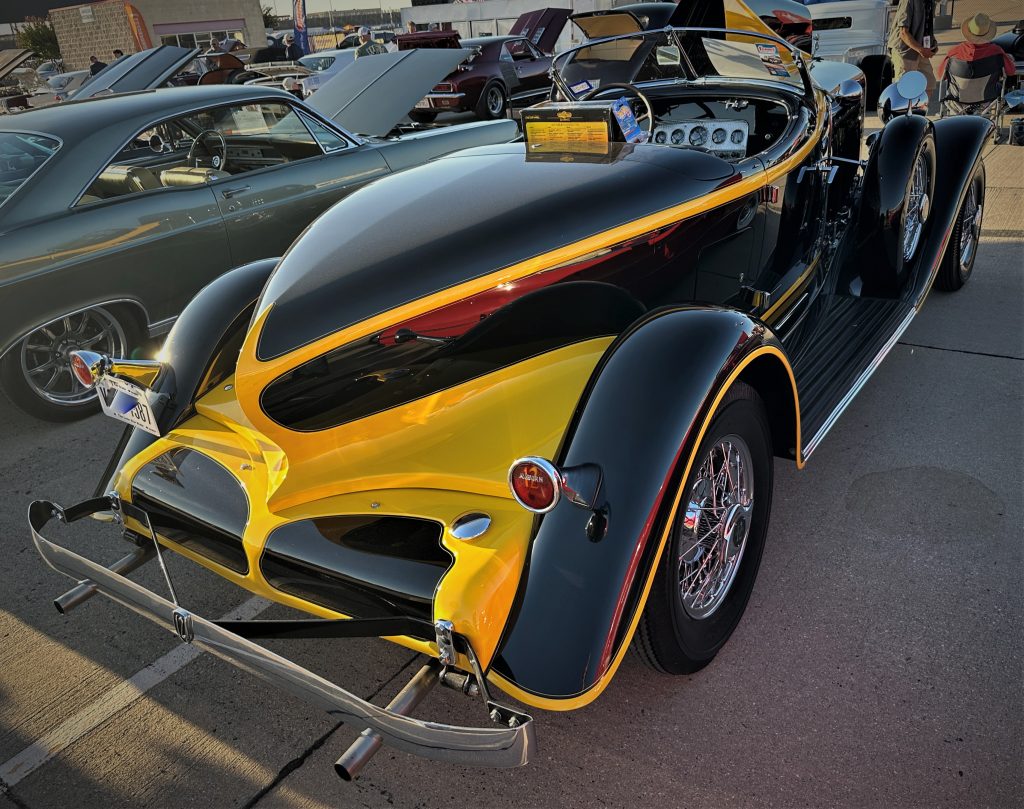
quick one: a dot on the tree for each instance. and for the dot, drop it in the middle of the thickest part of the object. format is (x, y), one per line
(37, 35)
(269, 17)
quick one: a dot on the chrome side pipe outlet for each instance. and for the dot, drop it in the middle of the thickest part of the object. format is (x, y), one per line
(86, 589)
(365, 747)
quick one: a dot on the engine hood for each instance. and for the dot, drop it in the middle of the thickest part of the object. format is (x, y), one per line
(11, 59)
(459, 218)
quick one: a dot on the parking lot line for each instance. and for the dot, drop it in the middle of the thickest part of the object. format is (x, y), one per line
(116, 699)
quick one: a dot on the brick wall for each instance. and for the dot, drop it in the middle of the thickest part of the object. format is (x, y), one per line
(82, 35)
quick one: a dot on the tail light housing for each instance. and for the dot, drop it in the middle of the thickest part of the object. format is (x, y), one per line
(536, 484)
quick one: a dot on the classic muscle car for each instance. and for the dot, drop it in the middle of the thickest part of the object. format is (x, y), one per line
(115, 212)
(501, 71)
(524, 456)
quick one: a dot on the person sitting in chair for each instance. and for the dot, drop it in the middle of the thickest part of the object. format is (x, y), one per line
(978, 31)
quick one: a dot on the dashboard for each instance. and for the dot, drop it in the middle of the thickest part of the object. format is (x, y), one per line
(725, 139)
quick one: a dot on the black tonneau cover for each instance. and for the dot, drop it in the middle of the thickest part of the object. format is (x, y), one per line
(463, 216)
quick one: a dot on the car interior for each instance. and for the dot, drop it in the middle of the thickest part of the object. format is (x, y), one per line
(21, 154)
(207, 146)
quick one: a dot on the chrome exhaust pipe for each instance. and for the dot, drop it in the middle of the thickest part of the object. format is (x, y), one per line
(369, 742)
(85, 590)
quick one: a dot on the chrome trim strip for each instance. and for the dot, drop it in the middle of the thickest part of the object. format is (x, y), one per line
(161, 327)
(790, 312)
(861, 380)
(445, 95)
(481, 747)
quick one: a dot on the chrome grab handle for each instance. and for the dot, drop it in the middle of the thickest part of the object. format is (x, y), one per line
(228, 193)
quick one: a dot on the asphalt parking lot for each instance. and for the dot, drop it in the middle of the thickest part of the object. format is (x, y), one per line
(879, 663)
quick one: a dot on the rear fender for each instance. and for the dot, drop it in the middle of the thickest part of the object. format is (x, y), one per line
(640, 420)
(211, 319)
(959, 143)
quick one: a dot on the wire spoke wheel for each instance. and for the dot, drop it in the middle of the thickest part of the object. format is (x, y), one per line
(970, 230)
(45, 354)
(916, 212)
(714, 529)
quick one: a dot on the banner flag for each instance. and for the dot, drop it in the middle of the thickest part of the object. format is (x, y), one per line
(138, 25)
(301, 35)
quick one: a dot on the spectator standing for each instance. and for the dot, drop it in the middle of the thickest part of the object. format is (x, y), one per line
(215, 46)
(118, 54)
(95, 65)
(410, 27)
(292, 51)
(978, 31)
(912, 40)
(367, 47)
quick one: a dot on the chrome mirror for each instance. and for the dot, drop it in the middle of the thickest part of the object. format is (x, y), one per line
(904, 97)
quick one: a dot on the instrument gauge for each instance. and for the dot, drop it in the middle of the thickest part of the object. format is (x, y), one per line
(698, 136)
(719, 135)
(660, 136)
(678, 135)
(736, 136)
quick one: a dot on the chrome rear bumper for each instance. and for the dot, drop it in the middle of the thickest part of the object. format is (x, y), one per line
(497, 746)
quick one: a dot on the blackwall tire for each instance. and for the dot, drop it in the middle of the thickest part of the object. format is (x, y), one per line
(676, 637)
(493, 102)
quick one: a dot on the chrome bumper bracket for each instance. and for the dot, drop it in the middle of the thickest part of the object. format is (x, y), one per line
(508, 745)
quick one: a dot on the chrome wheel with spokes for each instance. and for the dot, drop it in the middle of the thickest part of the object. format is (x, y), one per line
(37, 371)
(714, 529)
(970, 230)
(714, 544)
(962, 250)
(915, 214)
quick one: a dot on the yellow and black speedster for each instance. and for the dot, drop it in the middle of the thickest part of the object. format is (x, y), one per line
(517, 409)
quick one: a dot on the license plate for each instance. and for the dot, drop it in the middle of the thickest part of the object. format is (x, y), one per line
(126, 402)
(423, 104)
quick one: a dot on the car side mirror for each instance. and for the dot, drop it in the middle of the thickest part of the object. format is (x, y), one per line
(905, 97)
(668, 55)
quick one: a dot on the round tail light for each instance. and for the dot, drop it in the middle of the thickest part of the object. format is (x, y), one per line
(536, 484)
(81, 367)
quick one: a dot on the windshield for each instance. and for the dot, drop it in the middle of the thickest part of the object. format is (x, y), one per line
(317, 63)
(21, 155)
(689, 54)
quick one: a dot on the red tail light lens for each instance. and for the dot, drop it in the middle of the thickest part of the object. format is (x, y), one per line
(535, 483)
(80, 368)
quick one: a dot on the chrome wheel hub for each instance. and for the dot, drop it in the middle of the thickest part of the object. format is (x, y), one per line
(494, 101)
(917, 210)
(45, 354)
(715, 525)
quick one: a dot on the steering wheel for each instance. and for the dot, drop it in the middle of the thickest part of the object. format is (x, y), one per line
(629, 88)
(220, 161)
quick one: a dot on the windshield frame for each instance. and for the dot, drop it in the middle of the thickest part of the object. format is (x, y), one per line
(563, 59)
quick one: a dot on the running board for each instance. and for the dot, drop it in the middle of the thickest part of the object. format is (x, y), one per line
(860, 335)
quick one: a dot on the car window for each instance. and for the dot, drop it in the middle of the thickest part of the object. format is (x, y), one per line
(329, 140)
(206, 146)
(21, 156)
(317, 63)
(506, 54)
(519, 49)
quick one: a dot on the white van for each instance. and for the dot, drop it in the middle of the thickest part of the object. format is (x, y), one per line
(855, 31)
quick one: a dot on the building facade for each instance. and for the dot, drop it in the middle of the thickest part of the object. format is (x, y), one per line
(495, 17)
(98, 28)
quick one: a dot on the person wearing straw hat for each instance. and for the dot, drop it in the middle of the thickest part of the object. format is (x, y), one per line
(912, 40)
(978, 31)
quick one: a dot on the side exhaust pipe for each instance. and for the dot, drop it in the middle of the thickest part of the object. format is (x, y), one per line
(369, 742)
(85, 590)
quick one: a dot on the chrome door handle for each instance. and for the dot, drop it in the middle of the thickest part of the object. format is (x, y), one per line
(228, 193)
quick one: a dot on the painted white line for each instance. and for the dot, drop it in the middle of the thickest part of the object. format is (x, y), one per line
(116, 699)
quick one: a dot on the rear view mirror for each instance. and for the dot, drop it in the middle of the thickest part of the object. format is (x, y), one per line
(904, 97)
(668, 55)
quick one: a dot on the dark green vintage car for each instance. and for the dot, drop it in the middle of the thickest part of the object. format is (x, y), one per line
(115, 211)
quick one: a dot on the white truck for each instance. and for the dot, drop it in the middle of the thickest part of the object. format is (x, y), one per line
(855, 31)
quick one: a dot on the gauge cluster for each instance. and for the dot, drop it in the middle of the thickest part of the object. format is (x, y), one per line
(727, 139)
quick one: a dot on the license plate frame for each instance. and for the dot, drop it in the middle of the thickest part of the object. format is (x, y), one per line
(126, 402)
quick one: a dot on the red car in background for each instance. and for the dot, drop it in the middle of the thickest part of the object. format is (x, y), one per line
(505, 71)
